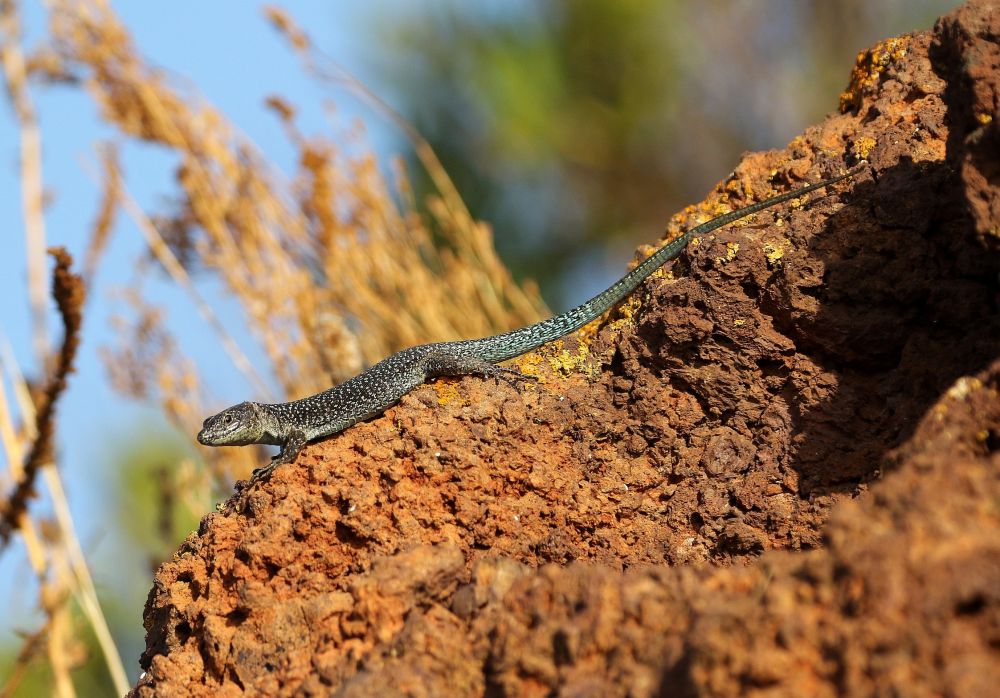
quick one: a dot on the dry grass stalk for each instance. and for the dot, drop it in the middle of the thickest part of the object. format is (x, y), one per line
(82, 584)
(100, 231)
(32, 189)
(448, 209)
(60, 544)
(31, 647)
(148, 362)
(163, 254)
(62, 650)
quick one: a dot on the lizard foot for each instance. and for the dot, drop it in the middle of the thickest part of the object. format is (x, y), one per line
(289, 452)
(445, 364)
(265, 470)
(510, 376)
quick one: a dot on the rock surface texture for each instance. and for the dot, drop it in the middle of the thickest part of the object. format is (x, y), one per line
(775, 471)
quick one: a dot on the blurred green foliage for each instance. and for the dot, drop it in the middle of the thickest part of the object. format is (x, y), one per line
(90, 678)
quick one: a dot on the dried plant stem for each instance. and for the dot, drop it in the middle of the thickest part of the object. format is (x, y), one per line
(84, 590)
(32, 190)
(8, 435)
(101, 229)
(332, 72)
(68, 292)
(33, 544)
(86, 594)
(54, 597)
(15, 453)
(33, 644)
(163, 254)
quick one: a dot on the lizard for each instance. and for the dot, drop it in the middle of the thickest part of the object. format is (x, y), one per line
(291, 425)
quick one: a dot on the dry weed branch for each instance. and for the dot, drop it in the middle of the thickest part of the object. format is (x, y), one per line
(30, 648)
(68, 291)
(83, 584)
(161, 250)
(111, 185)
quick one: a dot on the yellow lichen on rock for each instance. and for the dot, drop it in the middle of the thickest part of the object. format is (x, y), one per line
(561, 361)
(863, 147)
(732, 248)
(773, 253)
(447, 392)
(869, 66)
(564, 361)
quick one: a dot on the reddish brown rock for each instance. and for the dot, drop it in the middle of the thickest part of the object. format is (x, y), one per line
(783, 479)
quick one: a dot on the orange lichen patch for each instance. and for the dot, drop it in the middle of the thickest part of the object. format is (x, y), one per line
(795, 146)
(739, 186)
(715, 209)
(696, 215)
(564, 361)
(962, 387)
(798, 203)
(869, 66)
(664, 274)
(447, 391)
(629, 308)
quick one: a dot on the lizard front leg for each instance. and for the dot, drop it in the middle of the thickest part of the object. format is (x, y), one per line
(289, 452)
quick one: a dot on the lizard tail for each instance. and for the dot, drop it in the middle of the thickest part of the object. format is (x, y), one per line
(511, 344)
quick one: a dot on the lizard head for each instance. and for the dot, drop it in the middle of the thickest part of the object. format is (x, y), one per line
(238, 425)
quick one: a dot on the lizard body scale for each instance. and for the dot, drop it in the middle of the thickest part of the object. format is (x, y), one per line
(293, 424)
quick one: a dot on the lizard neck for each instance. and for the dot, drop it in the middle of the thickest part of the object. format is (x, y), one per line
(275, 429)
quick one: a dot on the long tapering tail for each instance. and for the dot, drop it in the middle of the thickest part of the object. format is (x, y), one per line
(510, 344)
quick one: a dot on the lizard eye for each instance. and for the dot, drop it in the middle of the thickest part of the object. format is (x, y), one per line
(228, 419)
